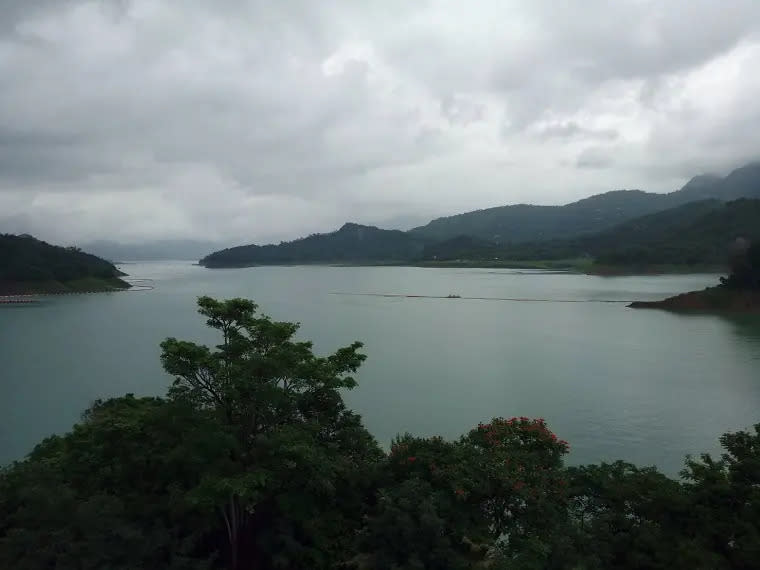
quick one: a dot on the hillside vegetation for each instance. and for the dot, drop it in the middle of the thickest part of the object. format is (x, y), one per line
(29, 265)
(253, 460)
(695, 234)
(627, 229)
(521, 223)
(352, 243)
(739, 292)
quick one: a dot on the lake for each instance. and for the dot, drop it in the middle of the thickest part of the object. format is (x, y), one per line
(642, 385)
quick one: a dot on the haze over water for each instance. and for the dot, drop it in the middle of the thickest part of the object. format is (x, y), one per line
(641, 385)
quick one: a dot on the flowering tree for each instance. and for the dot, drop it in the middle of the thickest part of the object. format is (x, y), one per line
(499, 490)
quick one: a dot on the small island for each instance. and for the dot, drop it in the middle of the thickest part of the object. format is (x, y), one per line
(737, 293)
(31, 266)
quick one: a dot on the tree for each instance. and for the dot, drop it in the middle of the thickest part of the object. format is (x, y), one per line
(303, 461)
(745, 269)
(725, 500)
(253, 461)
(496, 493)
(112, 493)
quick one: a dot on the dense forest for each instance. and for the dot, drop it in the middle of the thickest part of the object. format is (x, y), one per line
(695, 235)
(699, 233)
(521, 223)
(31, 265)
(252, 460)
(352, 243)
(739, 292)
(627, 228)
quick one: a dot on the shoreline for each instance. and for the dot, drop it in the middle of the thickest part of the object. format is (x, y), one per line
(78, 287)
(571, 267)
(710, 300)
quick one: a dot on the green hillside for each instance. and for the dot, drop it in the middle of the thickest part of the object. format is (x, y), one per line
(625, 227)
(523, 223)
(352, 243)
(29, 265)
(695, 234)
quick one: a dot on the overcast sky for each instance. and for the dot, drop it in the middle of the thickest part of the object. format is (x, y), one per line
(259, 120)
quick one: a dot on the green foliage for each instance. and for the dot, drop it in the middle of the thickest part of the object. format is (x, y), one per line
(522, 223)
(698, 233)
(253, 461)
(301, 454)
(745, 270)
(498, 491)
(628, 228)
(352, 243)
(26, 261)
(112, 493)
(725, 500)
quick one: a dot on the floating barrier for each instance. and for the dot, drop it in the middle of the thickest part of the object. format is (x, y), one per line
(514, 299)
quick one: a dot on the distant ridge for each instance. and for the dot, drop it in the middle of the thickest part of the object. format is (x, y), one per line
(545, 229)
(520, 223)
(352, 243)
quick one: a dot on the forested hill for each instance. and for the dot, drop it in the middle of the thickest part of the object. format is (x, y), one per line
(691, 239)
(615, 223)
(698, 234)
(352, 243)
(29, 265)
(522, 222)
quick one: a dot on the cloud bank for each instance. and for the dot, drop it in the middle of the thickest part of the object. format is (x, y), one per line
(257, 121)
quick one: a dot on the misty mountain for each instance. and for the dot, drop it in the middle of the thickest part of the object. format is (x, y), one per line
(524, 223)
(152, 250)
(352, 243)
(697, 233)
(588, 227)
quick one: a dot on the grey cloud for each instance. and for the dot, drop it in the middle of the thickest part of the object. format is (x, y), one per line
(248, 120)
(571, 129)
(594, 158)
(459, 110)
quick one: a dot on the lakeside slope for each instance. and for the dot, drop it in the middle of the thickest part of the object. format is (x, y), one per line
(739, 292)
(32, 266)
(709, 300)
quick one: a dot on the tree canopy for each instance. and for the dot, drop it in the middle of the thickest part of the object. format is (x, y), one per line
(252, 460)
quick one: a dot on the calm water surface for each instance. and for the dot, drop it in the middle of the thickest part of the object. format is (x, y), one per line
(646, 386)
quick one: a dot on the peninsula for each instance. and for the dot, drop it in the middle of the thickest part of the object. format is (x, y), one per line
(32, 266)
(738, 293)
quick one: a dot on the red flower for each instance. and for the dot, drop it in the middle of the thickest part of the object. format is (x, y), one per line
(411, 459)
(459, 492)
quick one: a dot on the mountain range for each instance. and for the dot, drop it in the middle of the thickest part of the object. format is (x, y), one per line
(603, 226)
(523, 222)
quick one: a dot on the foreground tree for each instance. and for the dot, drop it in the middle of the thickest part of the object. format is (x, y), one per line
(112, 493)
(303, 462)
(724, 498)
(253, 461)
(496, 494)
